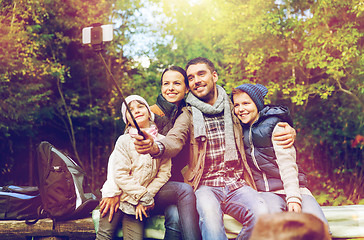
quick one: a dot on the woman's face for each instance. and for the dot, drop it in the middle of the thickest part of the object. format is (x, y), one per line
(173, 86)
(244, 108)
(140, 113)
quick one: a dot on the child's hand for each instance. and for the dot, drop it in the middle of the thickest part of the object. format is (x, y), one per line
(150, 207)
(109, 204)
(294, 207)
(140, 211)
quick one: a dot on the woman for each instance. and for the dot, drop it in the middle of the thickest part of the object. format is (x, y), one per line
(175, 198)
(174, 87)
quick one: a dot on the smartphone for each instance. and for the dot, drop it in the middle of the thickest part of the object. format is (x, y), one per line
(97, 34)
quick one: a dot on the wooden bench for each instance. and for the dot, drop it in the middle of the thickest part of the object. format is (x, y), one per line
(346, 222)
(80, 229)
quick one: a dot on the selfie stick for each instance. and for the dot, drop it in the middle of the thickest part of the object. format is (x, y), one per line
(98, 49)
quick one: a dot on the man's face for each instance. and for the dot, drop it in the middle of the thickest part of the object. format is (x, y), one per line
(202, 82)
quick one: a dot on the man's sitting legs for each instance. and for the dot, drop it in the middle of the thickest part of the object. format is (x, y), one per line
(244, 204)
(208, 203)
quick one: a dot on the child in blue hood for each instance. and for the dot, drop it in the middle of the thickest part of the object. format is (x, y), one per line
(274, 167)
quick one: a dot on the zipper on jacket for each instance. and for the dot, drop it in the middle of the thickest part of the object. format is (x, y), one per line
(255, 160)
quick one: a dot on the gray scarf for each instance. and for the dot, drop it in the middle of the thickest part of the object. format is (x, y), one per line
(222, 104)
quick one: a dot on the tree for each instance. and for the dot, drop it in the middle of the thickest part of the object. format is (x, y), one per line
(54, 88)
(22, 74)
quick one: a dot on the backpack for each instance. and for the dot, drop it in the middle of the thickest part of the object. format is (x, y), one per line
(19, 203)
(60, 181)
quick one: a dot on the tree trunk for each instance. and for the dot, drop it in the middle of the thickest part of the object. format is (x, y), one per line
(31, 163)
(71, 131)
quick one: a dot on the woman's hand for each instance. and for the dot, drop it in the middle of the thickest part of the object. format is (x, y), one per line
(285, 137)
(294, 207)
(109, 203)
(145, 145)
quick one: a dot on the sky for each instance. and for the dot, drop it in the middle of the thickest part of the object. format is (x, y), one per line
(141, 42)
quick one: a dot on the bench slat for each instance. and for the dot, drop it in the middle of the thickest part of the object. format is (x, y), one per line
(72, 229)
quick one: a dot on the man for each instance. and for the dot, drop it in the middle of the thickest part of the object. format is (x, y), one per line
(217, 168)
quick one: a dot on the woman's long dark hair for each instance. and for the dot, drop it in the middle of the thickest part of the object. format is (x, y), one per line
(178, 69)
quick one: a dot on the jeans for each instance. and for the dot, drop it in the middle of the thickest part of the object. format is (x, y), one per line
(244, 204)
(277, 203)
(172, 223)
(177, 201)
(132, 228)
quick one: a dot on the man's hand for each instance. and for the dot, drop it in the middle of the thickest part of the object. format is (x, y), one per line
(285, 137)
(294, 207)
(145, 145)
(109, 204)
(142, 210)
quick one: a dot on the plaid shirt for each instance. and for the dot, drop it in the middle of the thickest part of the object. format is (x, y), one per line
(216, 172)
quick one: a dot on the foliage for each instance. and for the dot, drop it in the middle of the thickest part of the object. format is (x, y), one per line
(22, 73)
(55, 89)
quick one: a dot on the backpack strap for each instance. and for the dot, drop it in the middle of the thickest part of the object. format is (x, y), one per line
(40, 214)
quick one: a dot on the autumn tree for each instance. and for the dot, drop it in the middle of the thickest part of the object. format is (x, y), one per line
(56, 89)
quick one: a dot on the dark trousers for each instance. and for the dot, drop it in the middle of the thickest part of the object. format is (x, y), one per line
(177, 201)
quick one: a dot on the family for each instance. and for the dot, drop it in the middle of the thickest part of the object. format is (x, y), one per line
(203, 154)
